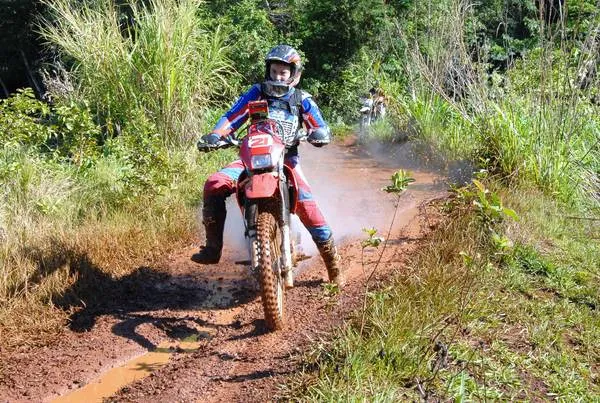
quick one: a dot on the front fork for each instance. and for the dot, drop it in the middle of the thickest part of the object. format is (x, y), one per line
(286, 238)
(250, 219)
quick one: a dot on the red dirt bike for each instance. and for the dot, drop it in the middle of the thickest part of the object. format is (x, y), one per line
(267, 195)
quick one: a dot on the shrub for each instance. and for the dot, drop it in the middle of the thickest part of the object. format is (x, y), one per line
(164, 63)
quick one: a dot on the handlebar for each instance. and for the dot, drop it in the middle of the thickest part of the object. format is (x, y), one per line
(231, 141)
(224, 143)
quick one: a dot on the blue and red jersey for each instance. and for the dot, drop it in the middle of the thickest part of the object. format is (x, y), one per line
(235, 117)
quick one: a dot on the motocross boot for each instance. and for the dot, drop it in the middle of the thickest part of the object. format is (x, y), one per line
(213, 218)
(332, 259)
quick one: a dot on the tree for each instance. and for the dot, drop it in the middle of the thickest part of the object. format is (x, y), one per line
(20, 47)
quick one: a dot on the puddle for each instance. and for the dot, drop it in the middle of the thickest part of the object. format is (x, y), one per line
(112, 381)
(140, 367)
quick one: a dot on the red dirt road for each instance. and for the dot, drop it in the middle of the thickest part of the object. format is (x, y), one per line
(237, 360)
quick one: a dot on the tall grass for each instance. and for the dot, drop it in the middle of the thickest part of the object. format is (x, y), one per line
(472, 318)
(533, 124)
(153, 56)
(104, 194)
(513, 315)
(381, 359)
(533, 143)
(56, 225)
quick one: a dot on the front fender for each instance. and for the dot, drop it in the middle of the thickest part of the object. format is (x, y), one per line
(261, 185)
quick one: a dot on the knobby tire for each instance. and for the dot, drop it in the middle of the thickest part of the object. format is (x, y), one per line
(269, 263)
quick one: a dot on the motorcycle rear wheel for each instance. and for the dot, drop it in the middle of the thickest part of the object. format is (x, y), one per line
(272, 286)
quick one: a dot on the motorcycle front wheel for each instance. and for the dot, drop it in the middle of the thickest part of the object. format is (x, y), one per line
(271, 281)
(363, 131)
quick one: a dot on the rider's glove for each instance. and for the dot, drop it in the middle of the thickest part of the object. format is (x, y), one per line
(211, 139)
(319, 137)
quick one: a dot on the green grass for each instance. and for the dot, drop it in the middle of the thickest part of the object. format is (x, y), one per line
(342, 131)
(56, 224)
(518, 140)
(104, 177)
(382, 131)
(168, 66)
(519, 322)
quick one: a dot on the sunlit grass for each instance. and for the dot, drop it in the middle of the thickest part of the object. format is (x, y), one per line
(56, 225)
(380, 130)
(105, 178)
(519, 323)
(162, 61)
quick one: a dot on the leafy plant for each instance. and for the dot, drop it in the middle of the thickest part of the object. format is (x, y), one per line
(64, 132)
(501, 243)
(330, 289)
(164, 63)
(372, 240)
(22, 119)
(250, 33)
(400, 181)
(488, 204)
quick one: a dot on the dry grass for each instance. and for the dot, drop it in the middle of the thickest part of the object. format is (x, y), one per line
(51, 260)
(51, 264)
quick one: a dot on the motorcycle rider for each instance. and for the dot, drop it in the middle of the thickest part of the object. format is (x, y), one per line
(378, 100)
(293, 108)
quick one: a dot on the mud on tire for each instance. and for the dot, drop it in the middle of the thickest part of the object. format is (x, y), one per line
(269, 268)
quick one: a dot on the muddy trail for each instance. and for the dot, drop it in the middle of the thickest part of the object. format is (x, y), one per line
(178, 331)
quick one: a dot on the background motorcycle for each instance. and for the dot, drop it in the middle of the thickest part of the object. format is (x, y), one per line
(267, 195)
(372, 108)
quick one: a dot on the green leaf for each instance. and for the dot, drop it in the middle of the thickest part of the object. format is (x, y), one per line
(511, 213)
(479, 185)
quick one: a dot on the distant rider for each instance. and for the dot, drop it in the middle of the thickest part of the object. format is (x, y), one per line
(293, 108)
(378, 100)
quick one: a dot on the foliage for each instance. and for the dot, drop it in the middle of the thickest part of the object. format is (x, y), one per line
(489, 206)
(372, 240)
(381, 130)
(69, 196)
(330, 289)
(507, 29)
(333, 31)
(249, 34)
(460, 324)
(400, 181)
(342, 130)
(521, 295)
(341, 40)
(164, 64)
(64, 132)
(19, 119)
(533, 124)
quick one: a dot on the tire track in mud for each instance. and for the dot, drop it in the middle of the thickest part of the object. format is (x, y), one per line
(216, 305)
(245, 363)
